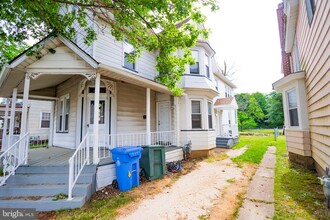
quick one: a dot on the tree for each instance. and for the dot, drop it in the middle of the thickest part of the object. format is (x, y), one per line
(146, 24)
(275, 110)
(245, 121)
(263, 104)
(242, 100)
(9, 50)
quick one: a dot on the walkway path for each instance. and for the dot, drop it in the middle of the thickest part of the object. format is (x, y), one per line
(193, 195)
(259, 201)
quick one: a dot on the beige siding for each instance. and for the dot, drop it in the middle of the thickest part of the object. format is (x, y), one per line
(79, 38)
(34, 118)
(314, 49)
(69, 87)
(200, 140)
(131, 106)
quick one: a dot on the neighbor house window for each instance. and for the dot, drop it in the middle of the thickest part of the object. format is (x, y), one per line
(209, 113)
(63, 114)
(310, 8)
(196, 114)
(45, 120)
(194, 69)
(293, 108)
(128, 49)
(207, 68)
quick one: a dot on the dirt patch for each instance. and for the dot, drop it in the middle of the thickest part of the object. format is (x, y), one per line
(231, 198)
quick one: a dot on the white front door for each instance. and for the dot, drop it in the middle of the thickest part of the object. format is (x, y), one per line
(103, 118)
(164, 116)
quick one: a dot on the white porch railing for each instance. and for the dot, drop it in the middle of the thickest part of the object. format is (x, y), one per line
(165, 138)
(38, 140)
(229, 130)
(13, 157)
(77, 162)
(107, 142)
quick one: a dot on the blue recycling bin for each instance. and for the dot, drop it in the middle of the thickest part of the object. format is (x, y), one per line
(127, 166)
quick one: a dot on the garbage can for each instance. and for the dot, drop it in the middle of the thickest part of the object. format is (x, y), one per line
(127, 166)
(152, 161)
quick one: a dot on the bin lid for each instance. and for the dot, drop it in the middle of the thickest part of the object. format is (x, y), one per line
(130, 150)
(151, 146)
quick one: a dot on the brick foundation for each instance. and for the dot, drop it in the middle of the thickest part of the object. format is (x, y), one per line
(305, 161)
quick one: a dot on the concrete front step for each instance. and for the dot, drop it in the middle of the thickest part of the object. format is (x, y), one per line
(54, 178)
(44, 203)
(9, 191)
(51, 169)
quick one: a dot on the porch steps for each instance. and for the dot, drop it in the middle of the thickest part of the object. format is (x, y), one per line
(37, 187)
(226, 142)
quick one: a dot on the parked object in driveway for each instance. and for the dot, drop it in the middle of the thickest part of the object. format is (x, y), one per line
(325, 181)
(152, 161)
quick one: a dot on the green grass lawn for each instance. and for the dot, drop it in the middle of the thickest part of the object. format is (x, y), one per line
(298, 193)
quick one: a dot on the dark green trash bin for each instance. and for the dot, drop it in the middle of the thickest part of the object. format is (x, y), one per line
(152, 161)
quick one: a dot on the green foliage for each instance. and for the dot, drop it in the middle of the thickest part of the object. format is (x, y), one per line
(10, 49)
(153, 25)
(259, 110)
(275, 110)
(297, 191)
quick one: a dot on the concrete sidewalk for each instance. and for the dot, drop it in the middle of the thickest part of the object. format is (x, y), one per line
(259, 200)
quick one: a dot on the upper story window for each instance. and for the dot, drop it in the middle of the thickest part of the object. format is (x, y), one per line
(63, 114)
(310, 8)
(128, 49)
(196, 114)
(194, 69)
(207, 68)
(293, 108)
(45, 120)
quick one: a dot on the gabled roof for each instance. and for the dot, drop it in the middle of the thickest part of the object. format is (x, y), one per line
(226, 103)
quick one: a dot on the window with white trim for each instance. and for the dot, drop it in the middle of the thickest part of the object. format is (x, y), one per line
(310, 8)
(209, 114)
(194, 69)
(128, 49)
(196, 115)
(293, 108)
(45, 120)
(63, 114)
(207, 68)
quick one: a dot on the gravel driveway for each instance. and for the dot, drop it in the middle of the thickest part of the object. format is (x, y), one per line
(193, 195)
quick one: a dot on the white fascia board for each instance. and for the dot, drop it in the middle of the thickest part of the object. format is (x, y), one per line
(291, 11)
(280, 84)
(4, 73)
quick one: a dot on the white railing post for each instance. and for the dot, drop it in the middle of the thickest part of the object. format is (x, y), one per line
(5, 127)
(71, 170)
(96, 119)
(88, 148)
(12, 117)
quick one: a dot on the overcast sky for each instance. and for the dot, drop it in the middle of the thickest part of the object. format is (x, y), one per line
(245, 35)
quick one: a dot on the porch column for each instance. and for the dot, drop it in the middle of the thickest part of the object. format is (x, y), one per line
(5, 126)
(148, 131)
(96, 119)
(51, 125)
(177, 120)
(25, 105)
(12, 117)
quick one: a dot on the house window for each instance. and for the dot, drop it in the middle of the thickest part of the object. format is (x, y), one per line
(310, 8)
(194, 69)
(45, 120)
(207, 68)
(293, 108)
(63, 114)
(296, 58)
(209, 113)
(128, 49)
(196, 114)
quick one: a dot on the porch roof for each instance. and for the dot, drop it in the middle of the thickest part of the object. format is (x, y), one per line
(226, 103)
(56, 56)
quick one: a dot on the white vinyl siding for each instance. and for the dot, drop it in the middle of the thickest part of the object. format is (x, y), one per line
(310, 8)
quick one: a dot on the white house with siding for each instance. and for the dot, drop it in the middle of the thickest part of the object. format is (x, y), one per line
(99, 101)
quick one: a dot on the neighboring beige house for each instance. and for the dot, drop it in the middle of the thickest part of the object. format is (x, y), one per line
(39, 122)
(304, 33)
